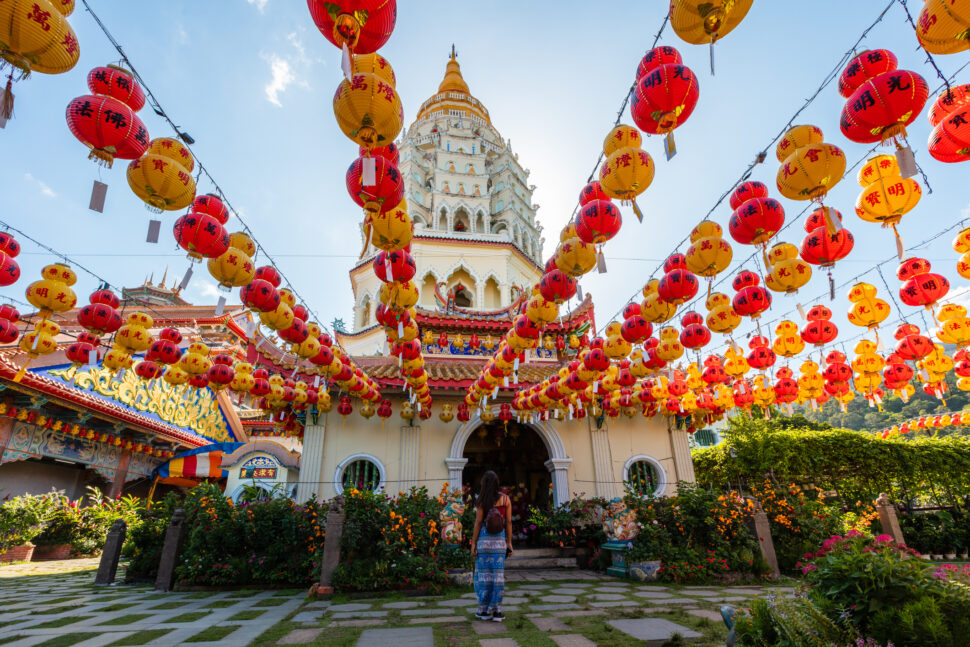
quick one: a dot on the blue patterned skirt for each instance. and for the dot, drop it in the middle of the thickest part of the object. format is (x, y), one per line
(490, 571)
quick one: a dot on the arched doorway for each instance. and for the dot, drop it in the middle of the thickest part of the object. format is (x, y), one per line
(517, 454)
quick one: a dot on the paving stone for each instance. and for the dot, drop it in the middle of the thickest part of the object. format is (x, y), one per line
(652, 628)
(511, 599)
(472, 596)
(428, 612)
(458, 602)
(373, 622)
(704, 594)
(398, 637)
(498, 642)
(489, 628)
(307, 617)
(614, 603)
(349, 607)
(650, 587)
(403, 605)
(553, 607)
(742, 591)
(734, 599)
(572, 640)
(359, 614)
(603, 597)
(535, 586)
(436, 620)
(713, 616)
(319, 604)
(656, 595)
(579, 614)
(611, 589)
(673, 601)
(558, 598)
(300, 637)
(550, 624)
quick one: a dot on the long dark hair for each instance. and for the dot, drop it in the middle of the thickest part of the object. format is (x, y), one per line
(488, 493)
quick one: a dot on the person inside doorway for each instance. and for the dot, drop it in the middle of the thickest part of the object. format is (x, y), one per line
(493, 543)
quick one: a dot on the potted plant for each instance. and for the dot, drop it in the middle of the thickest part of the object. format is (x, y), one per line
(21, 519)
(643, 557)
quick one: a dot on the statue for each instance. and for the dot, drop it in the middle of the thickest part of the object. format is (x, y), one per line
(451, 517)
(620, 523)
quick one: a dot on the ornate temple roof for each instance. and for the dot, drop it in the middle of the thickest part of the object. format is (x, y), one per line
(453, 93)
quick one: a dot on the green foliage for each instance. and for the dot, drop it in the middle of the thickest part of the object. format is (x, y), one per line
(143, 545)
(858, 465)
(575, 523)
(22, 518)
(789, 623)
(937, 532)
(85, 527)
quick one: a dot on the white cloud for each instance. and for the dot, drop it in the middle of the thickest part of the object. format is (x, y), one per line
(260, 4)
(282, 76)
(207, 289)
(46, 190)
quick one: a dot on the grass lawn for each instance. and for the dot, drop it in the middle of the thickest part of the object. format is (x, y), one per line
(192, 616)
(141, 637)
(61, 622)
(126, 620)
(211, 634)
(249, 614)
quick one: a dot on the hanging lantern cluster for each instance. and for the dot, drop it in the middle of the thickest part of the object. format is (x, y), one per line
(9, 268)
(106, 121)
(950, 117)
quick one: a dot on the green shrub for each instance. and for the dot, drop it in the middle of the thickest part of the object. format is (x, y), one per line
(789, 623)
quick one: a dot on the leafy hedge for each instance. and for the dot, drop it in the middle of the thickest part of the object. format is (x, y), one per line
(857, 465)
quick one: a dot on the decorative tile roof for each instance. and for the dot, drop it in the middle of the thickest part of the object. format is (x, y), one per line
(452, 373)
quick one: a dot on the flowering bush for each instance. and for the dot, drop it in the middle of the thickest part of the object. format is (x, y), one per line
(85, 524)
(22, 518)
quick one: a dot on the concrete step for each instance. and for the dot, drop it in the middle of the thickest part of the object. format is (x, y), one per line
(544, 552)
(532, 563)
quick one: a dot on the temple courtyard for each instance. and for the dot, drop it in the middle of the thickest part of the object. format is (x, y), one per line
(56, 604)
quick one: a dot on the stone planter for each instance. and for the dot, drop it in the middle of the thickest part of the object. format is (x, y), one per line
(51, 553)
(937, 557)
(964, 555)
(617, 549)
(21, 553)
(644, 571)
(461, 576)
(951, 555)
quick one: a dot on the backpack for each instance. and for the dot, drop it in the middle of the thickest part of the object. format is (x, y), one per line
(494, 521)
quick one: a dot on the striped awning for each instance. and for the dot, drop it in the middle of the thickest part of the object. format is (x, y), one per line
(201, 462)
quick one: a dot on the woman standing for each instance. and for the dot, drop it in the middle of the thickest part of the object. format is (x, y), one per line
(493, 543)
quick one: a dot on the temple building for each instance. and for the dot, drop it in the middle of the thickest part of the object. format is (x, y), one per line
(478, 250)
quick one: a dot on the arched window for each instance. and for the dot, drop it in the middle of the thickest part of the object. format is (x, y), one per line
(645, 476)
(462, 296)
(361, 472)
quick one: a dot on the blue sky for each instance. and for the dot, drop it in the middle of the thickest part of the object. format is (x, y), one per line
(252, 82)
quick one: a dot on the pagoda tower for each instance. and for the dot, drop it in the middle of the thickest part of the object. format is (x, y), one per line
(477, 244)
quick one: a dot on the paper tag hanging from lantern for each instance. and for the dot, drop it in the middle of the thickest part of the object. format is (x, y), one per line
(600, 262)
(831, 287)
(250, 328)
(154, 227)
(832, 222)
(579, 292)
(670, 146)
(185, 279)
(906, 161)
(92, 357)
(316, 382)
(98, 194)
(801, 310)
(346, 65)
(368, 176)
(220, 306)
(899, 244)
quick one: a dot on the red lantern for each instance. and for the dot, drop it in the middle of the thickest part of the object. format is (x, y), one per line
(462, 413)
(400, 263)
(9, 316)
(865, 66)
(592, 192)
(962, 363)
(885, 103)
(912, 345)
(950, 118)
(148, 370)
(362, 25)
(80, 351)
(260, 295)
(823, 246)
(678, 285)
(201, 235)
(384, 194)
(820, 330)
(212, 205)
(106, 121)
(751, 299)
(761, 356)
(345, 408)
(635, 329)
(598, 221)
(199, 381)
(101, 316)
(9, 269)
(746, 191)
(695, 336)
(165, 350)
(921, 287)
(526, 328)
(896, 373)
(389, 152)
(665, 94)
(220, 374)
(261, 384)
(557, 286)
(324, 356)
(632, 309)
(786, 388)
(657, 57)
(296, 333)
(757, 219)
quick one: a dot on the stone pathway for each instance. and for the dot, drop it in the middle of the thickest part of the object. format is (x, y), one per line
(586, 609)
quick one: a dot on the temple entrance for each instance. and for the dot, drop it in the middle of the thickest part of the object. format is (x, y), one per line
(518, 455)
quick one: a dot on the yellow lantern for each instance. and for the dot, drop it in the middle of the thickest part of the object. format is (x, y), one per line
(242, 379)
(574, 257)
(53, 292)
(669, 348)
(735, 363)
(488, 342)
(116, 359)
(446, 415)
(162, 176)
(399, 294)
(234, 267)
(368, 110)
(310, 346)
(41, 340)
(943, 27)
(811, 171)
(374, 64)
(721, 316)
(961, 244)
(541, 310)
(622, 136)
(279, 319)
(868, 311)
(367, 410)
(699, 22)
(654, 309)
(427, 338)
(627, 173)
(389, 231)
(788, 341)
(135, 335)
(797, 137)
(36, 36)
(617, 348)
(175, 376)
(324, 402)
(709, 254)
(954, 325)
(886, 196)
(195, 360)
(788, 272)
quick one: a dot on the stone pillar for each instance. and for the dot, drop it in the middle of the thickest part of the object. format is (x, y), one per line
(170, 552)
(455, 467)
(680, 450)
(331, 545)
(559, 469)
(480, 295)
(602, 462)
(108, 566)
(121, 473)
(762, 530)
(410, 457)
(6, 431)
(311, 463)
(888, 519)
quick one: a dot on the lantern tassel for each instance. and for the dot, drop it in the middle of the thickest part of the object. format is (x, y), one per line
(6, 101)
(899, 242)
(600, 261)
(367, 234)
(22, 371)
(831, 287)
(636, 207)
(713, 38)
